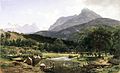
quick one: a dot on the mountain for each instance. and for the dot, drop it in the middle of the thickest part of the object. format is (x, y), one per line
(28, 28)
(85, 16)
(68, 32)
(61, 21)
(23, 29)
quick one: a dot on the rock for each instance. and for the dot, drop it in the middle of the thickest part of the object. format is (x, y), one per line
(17, 59)
(15, 63)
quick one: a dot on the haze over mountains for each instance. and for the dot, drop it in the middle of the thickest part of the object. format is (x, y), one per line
(65, 27)
(23, 29)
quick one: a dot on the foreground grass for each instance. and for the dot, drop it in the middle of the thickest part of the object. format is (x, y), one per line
(73, 66)
(4, 60)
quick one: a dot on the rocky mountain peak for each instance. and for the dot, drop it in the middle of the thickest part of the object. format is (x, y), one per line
(85, 16)
(89, 13)
(86, 10)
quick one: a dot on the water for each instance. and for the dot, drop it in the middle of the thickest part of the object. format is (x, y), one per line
(61, 59)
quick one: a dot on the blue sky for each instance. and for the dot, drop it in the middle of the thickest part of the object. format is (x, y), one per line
(44, 13)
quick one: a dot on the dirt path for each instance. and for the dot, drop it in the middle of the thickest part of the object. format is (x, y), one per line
(1, 71)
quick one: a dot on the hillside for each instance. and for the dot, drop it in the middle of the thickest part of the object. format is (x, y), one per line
(68, 32)
(11, 35)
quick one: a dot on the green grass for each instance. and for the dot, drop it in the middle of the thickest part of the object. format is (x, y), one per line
(113, 69)
(53, 55)
(4, 60)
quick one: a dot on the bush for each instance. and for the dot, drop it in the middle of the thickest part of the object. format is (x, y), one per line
(5, 65)
(70, 56)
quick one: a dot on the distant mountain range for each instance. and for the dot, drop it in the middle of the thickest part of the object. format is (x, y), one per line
(65, 27)
(27, 29)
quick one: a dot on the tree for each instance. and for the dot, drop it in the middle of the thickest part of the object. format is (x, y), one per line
(58, 46)
(41, 46)
(18, 42)
(115, 47)
(7, 34)
(96, 40)
(2, 39)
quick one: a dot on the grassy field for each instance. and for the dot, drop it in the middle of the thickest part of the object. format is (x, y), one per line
(54, 55)
(73, 66)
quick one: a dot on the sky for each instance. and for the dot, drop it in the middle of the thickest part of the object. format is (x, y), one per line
(44, 13)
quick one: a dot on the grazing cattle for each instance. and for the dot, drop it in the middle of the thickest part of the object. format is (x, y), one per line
(42, 66)
(36, 60)
(33, 60)
(28, 61)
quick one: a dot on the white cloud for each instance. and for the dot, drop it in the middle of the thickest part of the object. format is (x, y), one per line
(106, 8)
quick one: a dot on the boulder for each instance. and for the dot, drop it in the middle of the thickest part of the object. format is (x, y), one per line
(15, 63)
(18, 59)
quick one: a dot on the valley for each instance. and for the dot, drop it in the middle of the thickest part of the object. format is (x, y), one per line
(84, 43)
